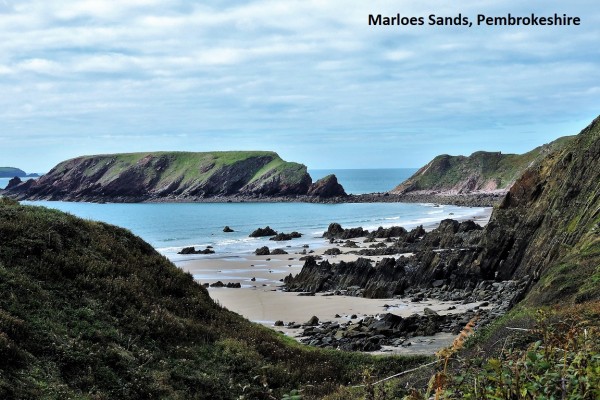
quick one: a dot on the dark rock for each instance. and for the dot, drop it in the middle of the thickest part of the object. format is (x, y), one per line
(327, 187)
(227, 229)
(286, 236)
(279, 323)
(217, 284)
(13, 183)
(262, 251)
(192, 250)
(334, 251)
(260, 232)
(276, 252)
(428, 311)
(335, 231)
(313, 321)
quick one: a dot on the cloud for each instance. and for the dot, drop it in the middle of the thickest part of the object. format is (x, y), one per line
(307, 70)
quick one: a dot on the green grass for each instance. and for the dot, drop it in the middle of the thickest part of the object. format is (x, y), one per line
(157, 170)
(89, 311)
(445, 171)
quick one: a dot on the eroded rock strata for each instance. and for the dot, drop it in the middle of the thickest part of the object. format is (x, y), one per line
(176, 176)
(541, 244)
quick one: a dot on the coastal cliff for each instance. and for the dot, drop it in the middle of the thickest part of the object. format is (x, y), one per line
(484, 175)
(545, 234)
(174, 176)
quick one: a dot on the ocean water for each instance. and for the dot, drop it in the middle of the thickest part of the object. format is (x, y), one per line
(170, 226)
(360, 181)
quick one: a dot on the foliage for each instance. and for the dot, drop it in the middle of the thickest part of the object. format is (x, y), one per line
(445, 171)
(89, 311)
(562, 361)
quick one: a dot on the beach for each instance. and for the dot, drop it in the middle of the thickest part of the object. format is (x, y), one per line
(260, 298)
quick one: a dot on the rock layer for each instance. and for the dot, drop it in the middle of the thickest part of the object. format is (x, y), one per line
(174, 176)
(546, 233)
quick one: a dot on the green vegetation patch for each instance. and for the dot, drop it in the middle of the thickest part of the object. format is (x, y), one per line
(90, 311)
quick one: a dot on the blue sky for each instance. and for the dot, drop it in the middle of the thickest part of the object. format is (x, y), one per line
(308, 79)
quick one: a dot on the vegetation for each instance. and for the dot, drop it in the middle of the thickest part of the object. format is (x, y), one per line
(187, 167)
(173, 175)
(557, 357)
(89, 311)
(478, 171)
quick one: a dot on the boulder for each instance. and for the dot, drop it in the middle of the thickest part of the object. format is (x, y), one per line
(278, 252)
(13, 182)
(266, 231)
(262, 251)
(192, 250)
(334, 251)
(227, 229)
(286, 236)
(327, 187)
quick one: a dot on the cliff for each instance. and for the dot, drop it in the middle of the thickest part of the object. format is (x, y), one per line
(170, 176)
(545, 234)
(481, 172)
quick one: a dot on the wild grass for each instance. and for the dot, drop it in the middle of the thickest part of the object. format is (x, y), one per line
(89, 311)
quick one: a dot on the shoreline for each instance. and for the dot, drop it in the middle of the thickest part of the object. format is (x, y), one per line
(476, 199)
(261, 300)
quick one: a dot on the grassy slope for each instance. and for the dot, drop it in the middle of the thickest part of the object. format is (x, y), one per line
(548, 346)
(90, 311)
(445, 171)
(189, 167)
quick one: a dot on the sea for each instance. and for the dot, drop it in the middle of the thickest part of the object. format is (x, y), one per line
(169, 227)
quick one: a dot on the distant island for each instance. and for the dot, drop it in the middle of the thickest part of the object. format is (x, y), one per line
(175, 176)
(11, 172)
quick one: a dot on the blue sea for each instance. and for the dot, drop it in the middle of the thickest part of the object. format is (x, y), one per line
(170, 226)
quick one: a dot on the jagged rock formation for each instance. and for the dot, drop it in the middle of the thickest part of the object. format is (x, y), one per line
(174, 176)
(432, 256)
(481, 172)
(545, 233)
(327, 187)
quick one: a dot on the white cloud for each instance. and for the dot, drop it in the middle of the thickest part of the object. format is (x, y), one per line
(297, 66)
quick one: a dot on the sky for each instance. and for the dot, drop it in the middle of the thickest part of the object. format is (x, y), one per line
(309, 79)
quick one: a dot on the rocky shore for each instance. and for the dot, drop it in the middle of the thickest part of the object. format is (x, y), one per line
(487, 301)
(409, 268)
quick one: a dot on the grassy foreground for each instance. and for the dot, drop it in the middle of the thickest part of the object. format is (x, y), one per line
(90, 311)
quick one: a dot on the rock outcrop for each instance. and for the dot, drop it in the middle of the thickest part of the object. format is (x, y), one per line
(546, 233)
(436, 255)
(174, 176)
(327, 187)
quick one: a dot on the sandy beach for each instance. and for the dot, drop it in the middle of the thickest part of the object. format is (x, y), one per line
(261, 300)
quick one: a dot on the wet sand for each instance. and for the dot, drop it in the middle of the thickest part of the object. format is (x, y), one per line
(261, 300)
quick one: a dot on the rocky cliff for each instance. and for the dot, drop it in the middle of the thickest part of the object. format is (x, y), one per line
(545, 234)
(173, 176)
(481, 172)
